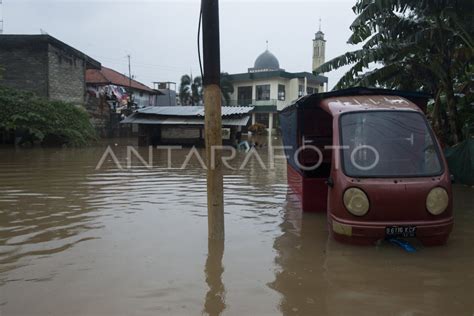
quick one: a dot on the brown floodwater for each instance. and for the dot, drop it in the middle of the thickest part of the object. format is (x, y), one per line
(79, 241)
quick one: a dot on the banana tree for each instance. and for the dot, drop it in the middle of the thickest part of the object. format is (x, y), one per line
(418, 45)
(227, 88)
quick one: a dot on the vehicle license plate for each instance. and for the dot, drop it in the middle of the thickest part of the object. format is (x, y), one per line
(403, 231)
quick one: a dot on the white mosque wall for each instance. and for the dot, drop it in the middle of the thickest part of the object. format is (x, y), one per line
(292, 90)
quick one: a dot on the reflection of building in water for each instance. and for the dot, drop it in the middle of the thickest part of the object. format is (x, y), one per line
(215, 296)
(301, 256)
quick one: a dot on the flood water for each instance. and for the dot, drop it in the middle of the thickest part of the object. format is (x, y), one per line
(79, 241)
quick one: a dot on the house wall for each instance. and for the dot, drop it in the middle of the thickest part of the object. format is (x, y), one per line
(25, 68)
(294, 89)
(66, 76)
(179, 135)
(291, 90)
(101, 116)
(288, 91)
(143, 99)
(169, 99)
(170, 135)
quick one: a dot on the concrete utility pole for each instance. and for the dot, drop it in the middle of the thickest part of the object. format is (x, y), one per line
(213, 117)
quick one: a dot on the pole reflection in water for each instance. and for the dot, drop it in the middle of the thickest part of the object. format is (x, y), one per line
(215, 296)
(80, 241)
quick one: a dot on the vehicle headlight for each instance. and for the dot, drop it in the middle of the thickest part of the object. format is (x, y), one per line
(356, 201)
(437, 201)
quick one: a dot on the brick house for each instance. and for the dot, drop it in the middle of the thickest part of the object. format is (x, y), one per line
(46, 66)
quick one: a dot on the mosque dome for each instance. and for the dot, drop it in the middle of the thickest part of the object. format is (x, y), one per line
(267, 60)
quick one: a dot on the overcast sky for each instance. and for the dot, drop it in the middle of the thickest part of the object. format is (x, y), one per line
(161, 35)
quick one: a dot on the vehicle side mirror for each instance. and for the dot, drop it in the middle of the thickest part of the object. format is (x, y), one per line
(330, 182)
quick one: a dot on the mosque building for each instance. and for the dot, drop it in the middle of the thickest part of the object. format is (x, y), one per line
(269, 88)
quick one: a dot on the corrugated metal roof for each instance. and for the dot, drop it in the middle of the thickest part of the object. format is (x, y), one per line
(140, 119)
(193, 110)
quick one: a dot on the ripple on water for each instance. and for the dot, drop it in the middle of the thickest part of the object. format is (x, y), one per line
(62, 220)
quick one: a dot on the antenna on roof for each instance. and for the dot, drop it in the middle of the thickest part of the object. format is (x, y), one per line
(320, 24)
(267, 44)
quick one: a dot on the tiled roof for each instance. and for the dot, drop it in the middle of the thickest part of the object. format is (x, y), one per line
(110, 76)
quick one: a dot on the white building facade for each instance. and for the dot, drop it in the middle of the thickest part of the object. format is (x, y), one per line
(270, 88)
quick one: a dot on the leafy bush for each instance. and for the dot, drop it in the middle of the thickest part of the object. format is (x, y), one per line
(258, 129)
(40, 120)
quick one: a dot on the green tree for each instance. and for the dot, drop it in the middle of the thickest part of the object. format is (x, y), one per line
(40, 120)
(417, 45)
(227, 88)
(191, 90)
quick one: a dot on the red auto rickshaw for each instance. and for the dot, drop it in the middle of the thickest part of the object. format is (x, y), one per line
(370, 159)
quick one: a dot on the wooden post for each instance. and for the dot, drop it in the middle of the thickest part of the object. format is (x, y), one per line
(213, 117)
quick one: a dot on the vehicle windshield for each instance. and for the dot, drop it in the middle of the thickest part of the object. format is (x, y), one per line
(388, 144)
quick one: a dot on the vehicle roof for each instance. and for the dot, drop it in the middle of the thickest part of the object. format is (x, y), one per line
(338, 105)
(359, 98)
